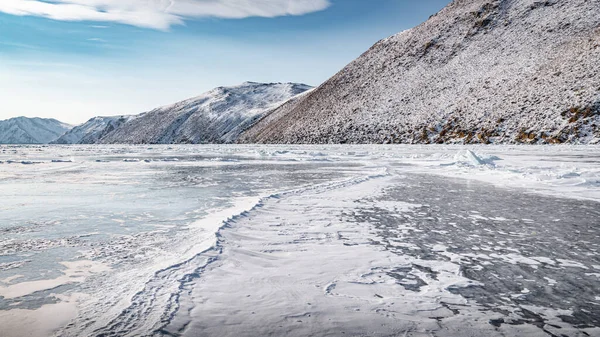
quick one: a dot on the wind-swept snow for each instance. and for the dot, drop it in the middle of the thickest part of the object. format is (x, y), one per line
(299, 240)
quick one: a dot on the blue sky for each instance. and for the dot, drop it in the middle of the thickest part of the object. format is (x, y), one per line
(136, 55)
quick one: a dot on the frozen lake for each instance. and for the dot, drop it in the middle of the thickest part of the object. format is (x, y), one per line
(299, 240)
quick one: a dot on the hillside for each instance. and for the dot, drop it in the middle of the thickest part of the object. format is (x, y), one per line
(479, 71)
(218, 116)
(23, 130)
(92, 131)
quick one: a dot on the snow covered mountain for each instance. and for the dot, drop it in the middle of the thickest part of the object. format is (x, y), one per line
(218, 116)
(479, 71)
(92, 131)
(23, 130)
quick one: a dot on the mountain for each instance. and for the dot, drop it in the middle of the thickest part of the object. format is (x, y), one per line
(479, 71)
(92, 131)
(23, 130)
(218, 116)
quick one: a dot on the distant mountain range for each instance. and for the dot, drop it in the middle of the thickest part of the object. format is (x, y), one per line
(23, 130)
(479, 71)
(218, 116)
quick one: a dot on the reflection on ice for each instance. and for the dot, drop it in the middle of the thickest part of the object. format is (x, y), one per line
(75, 272)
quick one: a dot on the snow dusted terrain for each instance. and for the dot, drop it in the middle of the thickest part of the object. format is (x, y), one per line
(479, 71)
(23, 130)
(247, 240)
(92, 131)
(218, 116)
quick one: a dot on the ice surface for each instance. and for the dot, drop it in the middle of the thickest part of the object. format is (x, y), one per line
(76, 272)
(299, 240)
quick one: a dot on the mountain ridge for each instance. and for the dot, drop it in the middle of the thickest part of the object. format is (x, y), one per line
(217, 116)
(35, 130)
(93, 130)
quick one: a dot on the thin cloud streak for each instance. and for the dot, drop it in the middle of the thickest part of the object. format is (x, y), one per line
(158, 14)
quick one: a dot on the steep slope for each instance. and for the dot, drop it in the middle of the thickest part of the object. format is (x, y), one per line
(479, 71)
(23, 130)
(92, 131)
(218, 116)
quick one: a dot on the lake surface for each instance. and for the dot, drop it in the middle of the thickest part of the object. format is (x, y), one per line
(132, 240)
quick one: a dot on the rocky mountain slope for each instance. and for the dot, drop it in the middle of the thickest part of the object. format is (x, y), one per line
(23, 130)
(479, 71)
(218, 116)
(92, 131)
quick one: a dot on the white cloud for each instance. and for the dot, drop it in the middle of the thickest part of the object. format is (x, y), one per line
(158, 14)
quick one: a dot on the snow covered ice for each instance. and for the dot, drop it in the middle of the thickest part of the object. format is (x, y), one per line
(298, 240)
